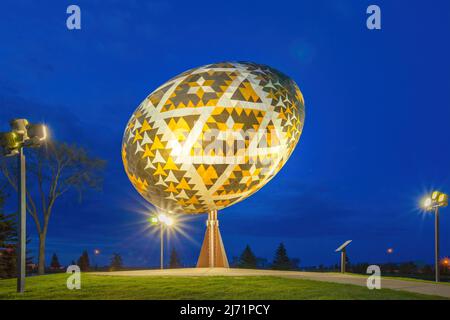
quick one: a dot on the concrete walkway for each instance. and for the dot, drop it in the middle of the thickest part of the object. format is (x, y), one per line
(405, 285)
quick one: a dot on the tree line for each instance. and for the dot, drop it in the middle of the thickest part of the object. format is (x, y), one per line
(281, 260)
(407, 268)
(116, 262)
(84, 263)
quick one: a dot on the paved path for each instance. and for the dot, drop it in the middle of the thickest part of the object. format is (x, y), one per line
(412, 286)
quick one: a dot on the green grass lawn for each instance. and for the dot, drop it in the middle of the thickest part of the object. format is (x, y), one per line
(202, 288)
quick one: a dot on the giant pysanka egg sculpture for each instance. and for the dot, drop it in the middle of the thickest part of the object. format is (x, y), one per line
(212, 136)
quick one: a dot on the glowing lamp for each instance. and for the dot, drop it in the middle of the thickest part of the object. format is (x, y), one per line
(162, 218)
(169, 221)
(19, 126)
(37, 133)
(9, 140)
(443, 200)
(427, 203)
(154, 220)
(435, 195)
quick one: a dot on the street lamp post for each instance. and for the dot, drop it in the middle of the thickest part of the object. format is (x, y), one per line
(96, 253)
(436, 245)
(21, 246)
(163, 221)
(437, 200)
(389, 252)
(161, 259)
(23, 134)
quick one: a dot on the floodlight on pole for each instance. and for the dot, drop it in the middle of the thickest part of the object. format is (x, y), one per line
(22, 134)
(37, 133)
(162, 218)
(94, 261)
(163, 221)
(427, 203)
(434, 202)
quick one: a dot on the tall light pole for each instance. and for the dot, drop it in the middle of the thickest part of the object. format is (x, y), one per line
(23, 134)
(437, 200)
(96, 253)
(389, 252)
(22, 225)
(161, 255)
(163, 221)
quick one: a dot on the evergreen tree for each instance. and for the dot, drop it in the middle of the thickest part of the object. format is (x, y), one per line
(54, 264)
(281, 261)
(174, 261)
(8, 243)
(83, 261)
(247, 259)
(116, 262)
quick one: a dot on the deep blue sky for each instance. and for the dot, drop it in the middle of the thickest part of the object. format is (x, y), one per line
(375, 138)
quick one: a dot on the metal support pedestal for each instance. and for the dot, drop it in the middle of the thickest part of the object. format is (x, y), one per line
(212, 254)
(343, 261)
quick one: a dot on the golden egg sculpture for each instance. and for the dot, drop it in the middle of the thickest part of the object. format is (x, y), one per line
(212, 136)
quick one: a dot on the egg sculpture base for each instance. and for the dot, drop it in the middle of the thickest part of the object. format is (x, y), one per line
(212, 254)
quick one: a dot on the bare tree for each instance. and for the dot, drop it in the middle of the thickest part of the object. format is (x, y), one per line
(54, 169)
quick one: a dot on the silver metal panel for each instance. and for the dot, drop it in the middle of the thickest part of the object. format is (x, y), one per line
(346, 243)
